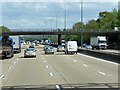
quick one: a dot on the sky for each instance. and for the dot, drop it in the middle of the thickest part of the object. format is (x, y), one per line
(39, 14)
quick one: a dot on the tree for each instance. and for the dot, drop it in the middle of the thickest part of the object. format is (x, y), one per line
(77, 26)
(91, 25)
(4, 29)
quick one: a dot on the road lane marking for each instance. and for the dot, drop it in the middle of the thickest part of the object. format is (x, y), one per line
(17, 59)
(44, 61)
(43, 58)
(2, 76)
(68, 57)
(10, 67)
(14, 62)
(85, 65)
(75, 60)
(46, 66)
(51, 74)
(58, 87)
(98, 59)
(101, 73)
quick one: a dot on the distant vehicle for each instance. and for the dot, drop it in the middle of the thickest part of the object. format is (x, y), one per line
(45, 47)
(88, 47)
(71, 47)
(30, 52)
(60, 48)
(48, 42)
(98, 42)
(37, 43)
(49, 50)
(17, 43)
(6, 44)
(31, 46)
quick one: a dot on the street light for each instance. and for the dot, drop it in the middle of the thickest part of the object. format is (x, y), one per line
(81, 6)
(65, 16)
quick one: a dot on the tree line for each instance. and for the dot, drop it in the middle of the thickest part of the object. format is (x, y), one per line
(105, 21)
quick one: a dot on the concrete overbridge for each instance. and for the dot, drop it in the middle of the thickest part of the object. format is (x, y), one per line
(60, 33)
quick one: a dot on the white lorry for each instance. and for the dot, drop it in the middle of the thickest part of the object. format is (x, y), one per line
(71, 47)
(17, 43)
(98, 42)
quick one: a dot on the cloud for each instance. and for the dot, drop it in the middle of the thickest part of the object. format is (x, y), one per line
(39, 15)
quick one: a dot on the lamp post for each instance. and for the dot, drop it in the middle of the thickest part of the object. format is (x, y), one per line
(65, 16)
(81, 6)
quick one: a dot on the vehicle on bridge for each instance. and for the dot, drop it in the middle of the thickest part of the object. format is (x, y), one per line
(99, 42)
(6, 44)
(71, 47)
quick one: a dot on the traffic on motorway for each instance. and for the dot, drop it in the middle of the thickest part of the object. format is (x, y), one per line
(59, 45)
(28, 52)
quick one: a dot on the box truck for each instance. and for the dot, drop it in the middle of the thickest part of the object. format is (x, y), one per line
(17, 44)
(6, 47)
(71, 47)
(98, 42)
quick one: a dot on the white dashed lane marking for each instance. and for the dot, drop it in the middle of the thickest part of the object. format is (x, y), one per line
(85, 65)
(2, 76)
(51, 74)
(102, 73)
(10, 67)
(68, 57)
(75, 60)
(44, 61)
(57, 87)
(46, 66)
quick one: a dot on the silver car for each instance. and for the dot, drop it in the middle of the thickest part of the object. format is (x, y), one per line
(49, 50)
(30, 52)
(60, 48)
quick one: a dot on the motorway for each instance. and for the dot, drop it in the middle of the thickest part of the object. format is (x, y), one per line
(57, 69)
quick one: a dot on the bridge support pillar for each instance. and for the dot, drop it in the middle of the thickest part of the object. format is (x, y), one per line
(59, 39)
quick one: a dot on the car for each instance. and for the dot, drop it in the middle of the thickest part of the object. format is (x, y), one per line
(49, 50)
(44, 48)
(30, 52)
(88, 47)
(60, 48)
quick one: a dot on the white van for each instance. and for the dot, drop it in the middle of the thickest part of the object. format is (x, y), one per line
(71, 47)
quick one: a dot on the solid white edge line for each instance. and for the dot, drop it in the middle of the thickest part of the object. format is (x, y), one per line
(2, 76)
(58, 87)
(51, 74)
(98, 59)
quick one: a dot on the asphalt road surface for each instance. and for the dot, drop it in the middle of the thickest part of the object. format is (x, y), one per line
(56, 69)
